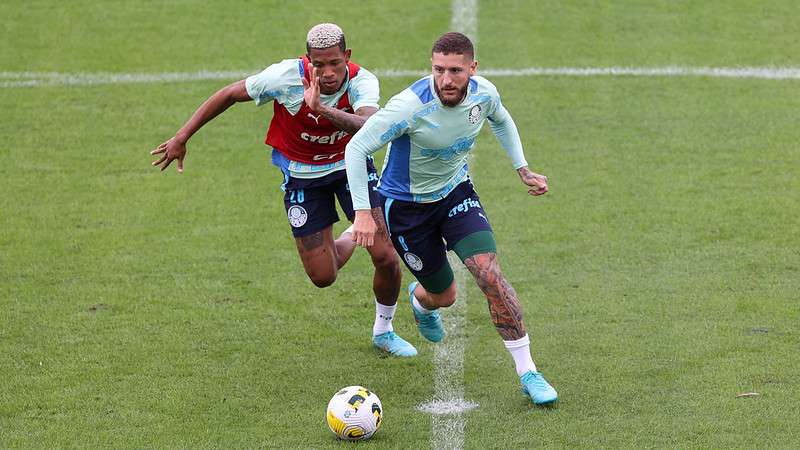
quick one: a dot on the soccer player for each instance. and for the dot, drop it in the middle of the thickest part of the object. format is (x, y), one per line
(319, 100)
(429, 200)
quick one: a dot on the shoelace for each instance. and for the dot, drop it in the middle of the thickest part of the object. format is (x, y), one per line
(535, 380)
(428, 319)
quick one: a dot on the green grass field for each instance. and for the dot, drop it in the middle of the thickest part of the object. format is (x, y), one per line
(660, 276)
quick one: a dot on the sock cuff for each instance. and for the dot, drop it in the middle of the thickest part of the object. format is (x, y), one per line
(524, 341)
(416, 304)
(380, 305)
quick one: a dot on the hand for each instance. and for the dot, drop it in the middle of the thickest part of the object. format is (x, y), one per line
(364, 228)
(311, 93)
(534, 180)
(171, 150)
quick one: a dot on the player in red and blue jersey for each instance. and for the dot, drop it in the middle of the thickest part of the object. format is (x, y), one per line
(319, 101)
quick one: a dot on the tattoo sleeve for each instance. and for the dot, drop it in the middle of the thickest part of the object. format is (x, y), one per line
(504, 306)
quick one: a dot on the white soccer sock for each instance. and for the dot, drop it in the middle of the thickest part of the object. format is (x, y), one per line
(383, 318)
(521, 352)
(418, 306)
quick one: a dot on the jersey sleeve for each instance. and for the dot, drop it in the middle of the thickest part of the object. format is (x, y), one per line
(364, 90)
(387, 124)
(275, 82)
(505, 130)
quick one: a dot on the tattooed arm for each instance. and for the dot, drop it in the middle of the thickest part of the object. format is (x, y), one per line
(504, 305)
(346, 121)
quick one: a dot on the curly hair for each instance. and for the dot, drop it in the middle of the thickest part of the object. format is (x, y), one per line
(325, 35)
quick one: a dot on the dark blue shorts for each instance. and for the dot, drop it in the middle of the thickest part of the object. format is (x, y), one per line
(423, 232)
(310, 202)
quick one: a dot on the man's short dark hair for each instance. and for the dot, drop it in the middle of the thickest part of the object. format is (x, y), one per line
(454, 42)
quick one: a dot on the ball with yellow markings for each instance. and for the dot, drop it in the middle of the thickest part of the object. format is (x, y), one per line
(354, 413)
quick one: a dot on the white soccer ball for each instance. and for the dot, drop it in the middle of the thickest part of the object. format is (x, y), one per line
(354, 413)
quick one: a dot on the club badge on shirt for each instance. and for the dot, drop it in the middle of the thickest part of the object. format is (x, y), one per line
(474, 114)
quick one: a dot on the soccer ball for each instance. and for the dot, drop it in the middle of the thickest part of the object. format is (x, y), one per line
(354, 413)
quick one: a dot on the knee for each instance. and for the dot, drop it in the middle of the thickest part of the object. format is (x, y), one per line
(386, 260)
(322, 280)
(446, 298)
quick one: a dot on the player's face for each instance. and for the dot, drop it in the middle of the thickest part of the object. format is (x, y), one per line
(451, 74)
(331, 65)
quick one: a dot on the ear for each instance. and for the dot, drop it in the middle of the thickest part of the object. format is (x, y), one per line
(347, 54)
(473, 67)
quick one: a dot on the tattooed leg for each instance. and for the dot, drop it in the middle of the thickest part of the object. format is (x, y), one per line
(504, 305)
(318, 253)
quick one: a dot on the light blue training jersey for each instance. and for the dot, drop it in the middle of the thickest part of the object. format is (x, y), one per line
(430, 142)
(283, 83)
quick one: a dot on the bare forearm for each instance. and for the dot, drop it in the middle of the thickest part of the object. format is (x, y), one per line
(211, 108)
(504, 306)
(343, 120)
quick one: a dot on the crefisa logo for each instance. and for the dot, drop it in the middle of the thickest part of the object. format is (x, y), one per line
(297, 216)
(414, 262)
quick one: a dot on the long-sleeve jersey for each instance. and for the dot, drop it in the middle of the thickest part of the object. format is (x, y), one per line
(430, 142)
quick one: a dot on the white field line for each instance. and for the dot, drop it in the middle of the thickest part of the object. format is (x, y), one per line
(448, 405)
(10, 80)
(465, 18)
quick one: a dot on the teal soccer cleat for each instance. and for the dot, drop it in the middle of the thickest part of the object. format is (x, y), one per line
(394, 344)
(539, 390)
(430, 325)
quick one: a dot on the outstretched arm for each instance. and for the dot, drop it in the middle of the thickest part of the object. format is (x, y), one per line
(175, 147)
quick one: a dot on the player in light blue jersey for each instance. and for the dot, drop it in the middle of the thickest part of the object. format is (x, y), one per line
(430, 205)
(318, 100)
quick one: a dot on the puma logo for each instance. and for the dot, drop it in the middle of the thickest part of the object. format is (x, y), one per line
(316, 118)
